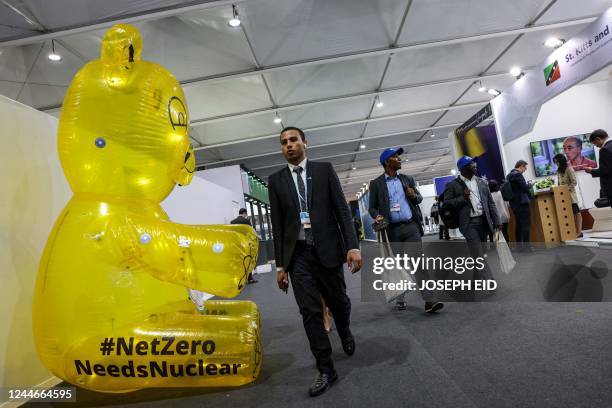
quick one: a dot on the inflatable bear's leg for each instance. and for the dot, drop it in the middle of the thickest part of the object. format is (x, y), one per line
(181, 348)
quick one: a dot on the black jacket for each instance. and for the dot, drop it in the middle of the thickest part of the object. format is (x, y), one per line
(379, 198)
(332, 226)
(240, 220)
(604, 171)
(455, 200)
(520, 188)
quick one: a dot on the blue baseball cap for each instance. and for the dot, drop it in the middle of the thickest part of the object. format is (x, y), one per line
(388, 152)
(464, 161)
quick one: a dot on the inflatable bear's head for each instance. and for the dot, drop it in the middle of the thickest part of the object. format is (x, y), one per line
(123, 129)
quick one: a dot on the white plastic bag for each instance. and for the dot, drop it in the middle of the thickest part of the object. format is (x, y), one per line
(393, 275)
(506, 260)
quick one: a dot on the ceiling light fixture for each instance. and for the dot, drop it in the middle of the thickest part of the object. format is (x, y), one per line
(362, 146)
(453, 172)
(432, 135)
(516, 72)
(554, 42)
(277, 118)
(493, 92)
(55, 57)
(235, 20)
(353, 168)
(379, 103)
(481, 87)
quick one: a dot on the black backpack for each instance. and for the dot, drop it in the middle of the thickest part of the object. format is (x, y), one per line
(506, 190)
(448, 217)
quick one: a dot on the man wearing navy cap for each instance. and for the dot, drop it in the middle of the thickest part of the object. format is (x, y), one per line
(395, 198)
(469, 197)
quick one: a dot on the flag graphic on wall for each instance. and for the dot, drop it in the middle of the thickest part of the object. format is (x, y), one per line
(552, 73)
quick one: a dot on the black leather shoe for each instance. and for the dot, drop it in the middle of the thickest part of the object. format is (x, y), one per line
(322, 383)
(431, 307)
(348, 345)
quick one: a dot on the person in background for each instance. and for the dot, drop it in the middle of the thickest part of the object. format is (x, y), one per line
(572, 147)
(502, 208)
(358, 231)
(600, 139)
(520, 203)
(566, 176)
(443, 232)
(243, 218)
(395, 198)
(468, 195)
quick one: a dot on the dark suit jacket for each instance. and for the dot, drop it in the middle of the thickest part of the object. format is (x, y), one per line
(379, 198)
(520, 188)
(330, 218)
(240, 220)
(455, 201)
(604, 171)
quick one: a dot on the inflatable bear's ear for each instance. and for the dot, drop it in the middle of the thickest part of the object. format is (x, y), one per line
(121, 49)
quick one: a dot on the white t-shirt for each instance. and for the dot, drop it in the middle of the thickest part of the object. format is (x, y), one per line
(474, 196)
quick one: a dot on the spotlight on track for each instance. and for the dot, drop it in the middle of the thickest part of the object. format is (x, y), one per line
(54, 57)
(235, 20)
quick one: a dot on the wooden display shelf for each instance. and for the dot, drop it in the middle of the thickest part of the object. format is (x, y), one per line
(552, 220)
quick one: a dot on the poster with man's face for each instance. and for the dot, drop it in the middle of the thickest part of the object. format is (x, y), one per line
(580, 153)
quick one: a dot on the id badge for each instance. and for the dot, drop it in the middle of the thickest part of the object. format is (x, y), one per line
(305, 219)
(395, 208)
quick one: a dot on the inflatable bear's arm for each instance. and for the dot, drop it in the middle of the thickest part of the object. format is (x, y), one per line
(211, 258)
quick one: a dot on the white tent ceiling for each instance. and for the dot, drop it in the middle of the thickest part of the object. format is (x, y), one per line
(318, 64)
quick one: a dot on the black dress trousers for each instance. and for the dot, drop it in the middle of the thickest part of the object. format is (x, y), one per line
(311, 280)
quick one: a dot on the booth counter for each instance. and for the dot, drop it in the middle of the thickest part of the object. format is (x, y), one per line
(552, 220)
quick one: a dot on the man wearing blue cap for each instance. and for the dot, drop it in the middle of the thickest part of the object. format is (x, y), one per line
(468, 196)
(395, 198)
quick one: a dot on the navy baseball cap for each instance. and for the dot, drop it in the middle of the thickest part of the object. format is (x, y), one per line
(464, 161)
(388, 152)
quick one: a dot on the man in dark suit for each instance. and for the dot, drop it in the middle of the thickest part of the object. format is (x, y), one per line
(313, 236)
(520, 203)
(469, 196)
(600, 139)
(395, 198)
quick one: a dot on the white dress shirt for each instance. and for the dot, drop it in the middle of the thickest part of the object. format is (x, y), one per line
(301, 235)
(474, 196)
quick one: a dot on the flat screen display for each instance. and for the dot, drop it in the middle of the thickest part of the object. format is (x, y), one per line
(577, 149)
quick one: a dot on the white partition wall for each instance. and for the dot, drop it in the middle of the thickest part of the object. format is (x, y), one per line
(203, 202)
(578, 110)
(34, 191)
(230, 177)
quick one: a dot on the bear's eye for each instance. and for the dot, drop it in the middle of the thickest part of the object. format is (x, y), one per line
(177, 112)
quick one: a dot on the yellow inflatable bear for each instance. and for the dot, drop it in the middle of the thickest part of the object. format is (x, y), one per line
(111, 311)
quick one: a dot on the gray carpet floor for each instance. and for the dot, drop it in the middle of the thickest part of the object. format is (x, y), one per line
(468, 355)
